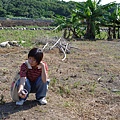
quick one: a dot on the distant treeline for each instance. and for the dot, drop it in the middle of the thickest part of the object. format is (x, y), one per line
(35, 8)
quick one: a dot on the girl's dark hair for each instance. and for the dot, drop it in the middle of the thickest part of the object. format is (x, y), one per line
(36, 53)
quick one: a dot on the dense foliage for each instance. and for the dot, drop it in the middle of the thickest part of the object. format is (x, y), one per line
(87, 19)
(35, 8)
(77, 19)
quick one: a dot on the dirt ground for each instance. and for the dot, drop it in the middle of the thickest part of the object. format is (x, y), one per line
(85, 86)
(14, 23)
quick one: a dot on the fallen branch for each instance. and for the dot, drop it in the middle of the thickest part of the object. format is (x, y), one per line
(64, 52)
(55, 44)
(45, 45)
(63, 47)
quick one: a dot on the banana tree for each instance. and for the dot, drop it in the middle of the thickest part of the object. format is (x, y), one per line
(113, 19)
(92, 12)
(70, 25)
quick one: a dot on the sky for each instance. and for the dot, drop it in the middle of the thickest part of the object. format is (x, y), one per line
(102, 1)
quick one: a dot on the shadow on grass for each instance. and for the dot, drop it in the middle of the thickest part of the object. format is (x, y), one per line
(10, 108)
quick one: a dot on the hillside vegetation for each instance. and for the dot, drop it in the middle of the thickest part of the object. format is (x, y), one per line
(35, 8)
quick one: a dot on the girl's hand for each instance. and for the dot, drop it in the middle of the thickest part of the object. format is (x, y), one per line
(41, 65)
(23, 93)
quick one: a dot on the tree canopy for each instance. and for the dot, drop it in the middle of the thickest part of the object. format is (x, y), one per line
(35, 8)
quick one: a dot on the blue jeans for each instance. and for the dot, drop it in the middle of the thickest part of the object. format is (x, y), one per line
(38, 87)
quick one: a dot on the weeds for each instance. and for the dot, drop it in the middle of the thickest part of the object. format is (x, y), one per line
(53, 82)
(64, 90)
(92, 87)
(67, 90)
(67, 104)
(76, 84)
(117, 92)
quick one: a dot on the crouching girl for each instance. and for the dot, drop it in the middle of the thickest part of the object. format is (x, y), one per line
(33, 78)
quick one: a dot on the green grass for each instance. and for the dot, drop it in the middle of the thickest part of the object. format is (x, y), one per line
(29, 36)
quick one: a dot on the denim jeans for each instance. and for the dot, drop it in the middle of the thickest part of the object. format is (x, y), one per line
(37, 87)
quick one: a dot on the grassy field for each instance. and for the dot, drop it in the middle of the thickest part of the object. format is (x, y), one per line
(85, 86)
(29, 36)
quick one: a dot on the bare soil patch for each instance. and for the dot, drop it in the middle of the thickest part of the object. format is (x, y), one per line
(14, 23)
(86, 86)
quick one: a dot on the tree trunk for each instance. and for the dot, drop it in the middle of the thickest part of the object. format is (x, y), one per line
(90, 32)
(114, 33)
(87, 34)
(75, 35)
(66, 33)
(118, 33)
(109, 34)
